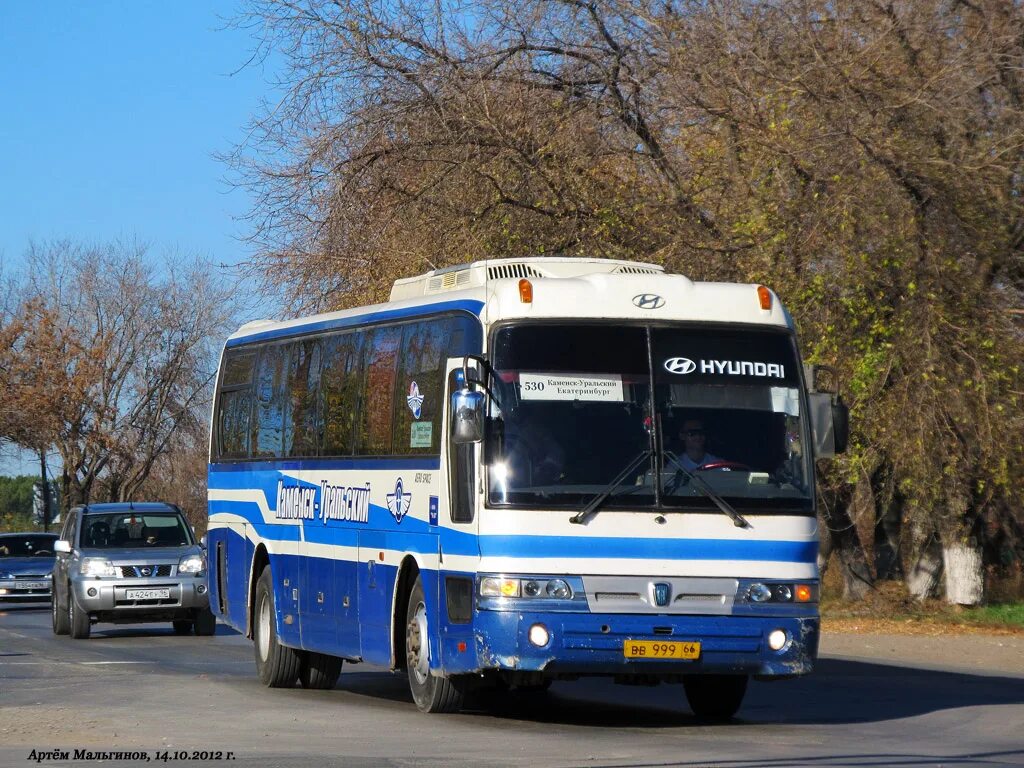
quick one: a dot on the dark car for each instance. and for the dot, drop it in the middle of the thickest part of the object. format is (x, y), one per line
(26, 562)
(127, 563)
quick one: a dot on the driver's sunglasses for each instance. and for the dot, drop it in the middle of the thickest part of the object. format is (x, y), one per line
(693, 433)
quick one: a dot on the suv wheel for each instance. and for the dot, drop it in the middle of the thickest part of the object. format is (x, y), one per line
(206, 622)
(182, 627)
(77, 618)
(61, 625)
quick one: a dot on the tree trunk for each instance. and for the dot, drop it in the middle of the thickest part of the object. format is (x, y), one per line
(888, 525)
(846, 545)
(925, 569)
(965, 577)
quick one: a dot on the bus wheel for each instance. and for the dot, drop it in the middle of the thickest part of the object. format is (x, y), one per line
(319, 671)
(715, 697)
(276, 665)
(430, 692)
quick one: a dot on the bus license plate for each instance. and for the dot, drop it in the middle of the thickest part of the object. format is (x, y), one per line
(147, 594)
(660, 649)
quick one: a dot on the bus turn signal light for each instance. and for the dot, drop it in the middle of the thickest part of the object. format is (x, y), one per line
(803, 593)
(525, 291)
(763, 295)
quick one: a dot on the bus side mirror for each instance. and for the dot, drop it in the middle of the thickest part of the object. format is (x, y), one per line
(840, 424)
(830, 424)
(467, 409)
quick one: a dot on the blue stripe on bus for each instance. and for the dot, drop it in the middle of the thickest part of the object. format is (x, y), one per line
(466, 305)
(665, 549)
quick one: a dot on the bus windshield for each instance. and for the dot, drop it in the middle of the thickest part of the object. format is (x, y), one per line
(574, 408)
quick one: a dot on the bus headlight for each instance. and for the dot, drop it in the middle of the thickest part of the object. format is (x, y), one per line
(497, 586)
(558, 589)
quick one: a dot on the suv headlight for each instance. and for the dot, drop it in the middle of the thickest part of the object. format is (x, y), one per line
(194, 564)
(97, 566)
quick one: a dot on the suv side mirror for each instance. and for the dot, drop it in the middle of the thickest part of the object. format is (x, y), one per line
(62, 546)
(202, 541)
(467, 409)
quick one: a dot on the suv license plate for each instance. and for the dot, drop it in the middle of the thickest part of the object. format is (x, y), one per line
(147, 594)
(660, 649)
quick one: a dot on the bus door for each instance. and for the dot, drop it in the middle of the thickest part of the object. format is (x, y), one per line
(459, 546)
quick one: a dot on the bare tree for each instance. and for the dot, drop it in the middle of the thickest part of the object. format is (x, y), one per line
(111, 362)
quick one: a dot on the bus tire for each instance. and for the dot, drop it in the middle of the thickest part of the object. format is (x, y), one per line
(205, 623)
(276, 664)
(715, 697)
(61, 625)
(431, 693)
(319, 672)
(78, 619)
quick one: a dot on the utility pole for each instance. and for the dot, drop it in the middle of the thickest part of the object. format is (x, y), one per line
(46, 490)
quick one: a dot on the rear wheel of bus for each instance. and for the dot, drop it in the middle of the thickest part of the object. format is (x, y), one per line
(430, 692)
(277, 665)
(319, 671)
(715, 697)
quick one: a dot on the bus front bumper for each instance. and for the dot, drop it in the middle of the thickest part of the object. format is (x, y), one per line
(595, 644)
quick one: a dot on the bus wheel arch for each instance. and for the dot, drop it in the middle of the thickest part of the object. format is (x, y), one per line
(408, 572)
(260, 560)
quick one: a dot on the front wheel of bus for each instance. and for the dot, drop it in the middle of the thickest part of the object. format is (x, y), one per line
(715, 697)
(276, 665)
(431, 693)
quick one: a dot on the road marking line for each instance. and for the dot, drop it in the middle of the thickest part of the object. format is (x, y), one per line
(90, 663)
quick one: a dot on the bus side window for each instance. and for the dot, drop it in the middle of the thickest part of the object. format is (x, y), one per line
(376, 412)
(340, 384)
(302, 421)
(421, 386)
(461, 470)
(268, 413)
(234, 406)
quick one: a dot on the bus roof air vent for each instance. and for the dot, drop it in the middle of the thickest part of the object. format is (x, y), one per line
(502, 271)
(644, 269)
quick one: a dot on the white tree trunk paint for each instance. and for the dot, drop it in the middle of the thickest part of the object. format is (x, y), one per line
(965, 578)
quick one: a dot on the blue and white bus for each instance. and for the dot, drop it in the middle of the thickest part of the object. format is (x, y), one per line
(520, 471)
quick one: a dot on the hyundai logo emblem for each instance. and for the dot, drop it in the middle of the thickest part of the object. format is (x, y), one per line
(648, 301)
(680, 365)
(662, 592)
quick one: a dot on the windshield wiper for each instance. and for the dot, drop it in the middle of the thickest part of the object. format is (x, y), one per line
(738, 520)
(600, 498)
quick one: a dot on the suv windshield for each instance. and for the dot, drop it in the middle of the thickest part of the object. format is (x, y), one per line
(128, 529)
(577, 407)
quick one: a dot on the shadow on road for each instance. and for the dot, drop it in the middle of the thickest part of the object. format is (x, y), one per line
(839, 692)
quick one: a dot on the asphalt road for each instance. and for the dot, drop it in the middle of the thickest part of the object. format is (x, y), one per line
(874, 701)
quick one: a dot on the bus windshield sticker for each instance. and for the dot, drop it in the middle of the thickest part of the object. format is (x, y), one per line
(571, 386)
(415, 399)
(786, 400)
(421, 434)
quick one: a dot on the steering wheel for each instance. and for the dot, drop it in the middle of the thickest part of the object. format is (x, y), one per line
(723, 464)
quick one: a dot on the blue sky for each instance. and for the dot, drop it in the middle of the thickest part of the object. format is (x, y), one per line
(112, 112)
(111, 115)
